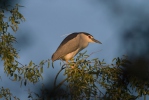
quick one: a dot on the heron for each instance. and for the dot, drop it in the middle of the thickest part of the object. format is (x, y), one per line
(72, 45)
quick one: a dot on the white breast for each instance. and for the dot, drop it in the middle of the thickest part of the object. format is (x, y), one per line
(70, 55)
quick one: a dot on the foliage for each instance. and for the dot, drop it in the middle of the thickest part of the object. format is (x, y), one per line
(9, 55)
(85, 79)
(5, 93)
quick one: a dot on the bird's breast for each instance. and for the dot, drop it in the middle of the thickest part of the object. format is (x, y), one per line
(70, 55)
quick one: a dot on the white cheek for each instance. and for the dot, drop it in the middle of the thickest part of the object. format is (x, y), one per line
(90, 40)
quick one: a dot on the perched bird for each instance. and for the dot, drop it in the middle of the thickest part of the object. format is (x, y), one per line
(72, 45)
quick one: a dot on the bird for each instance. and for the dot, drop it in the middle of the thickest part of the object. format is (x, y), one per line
(72, 45)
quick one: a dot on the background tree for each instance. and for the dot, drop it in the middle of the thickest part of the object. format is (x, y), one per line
(9, 54)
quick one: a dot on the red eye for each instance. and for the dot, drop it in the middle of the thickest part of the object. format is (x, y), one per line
(90, 36)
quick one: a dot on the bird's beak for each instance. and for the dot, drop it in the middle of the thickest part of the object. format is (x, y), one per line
(96, 41)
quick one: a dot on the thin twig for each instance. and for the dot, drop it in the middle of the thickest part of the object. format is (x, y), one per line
(94, 52)
(20, 63)
(57, 75)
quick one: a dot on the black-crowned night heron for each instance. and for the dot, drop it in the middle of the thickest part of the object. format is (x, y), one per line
(72, 45)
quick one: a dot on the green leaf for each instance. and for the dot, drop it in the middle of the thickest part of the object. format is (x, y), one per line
(52, 65)
(30, 64)
(15, 77)
(41, 69)
(48, 64)
(13, 28)
(114, 59)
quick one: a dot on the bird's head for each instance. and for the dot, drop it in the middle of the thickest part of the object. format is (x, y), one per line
(90, 38)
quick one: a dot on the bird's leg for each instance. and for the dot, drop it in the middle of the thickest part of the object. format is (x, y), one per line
(70, 63)
(67, 64)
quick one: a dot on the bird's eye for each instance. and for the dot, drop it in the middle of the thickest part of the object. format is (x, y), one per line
(90, 36)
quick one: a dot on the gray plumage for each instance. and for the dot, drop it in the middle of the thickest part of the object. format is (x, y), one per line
(72, 45)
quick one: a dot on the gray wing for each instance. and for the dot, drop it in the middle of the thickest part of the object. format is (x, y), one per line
(68, 45)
